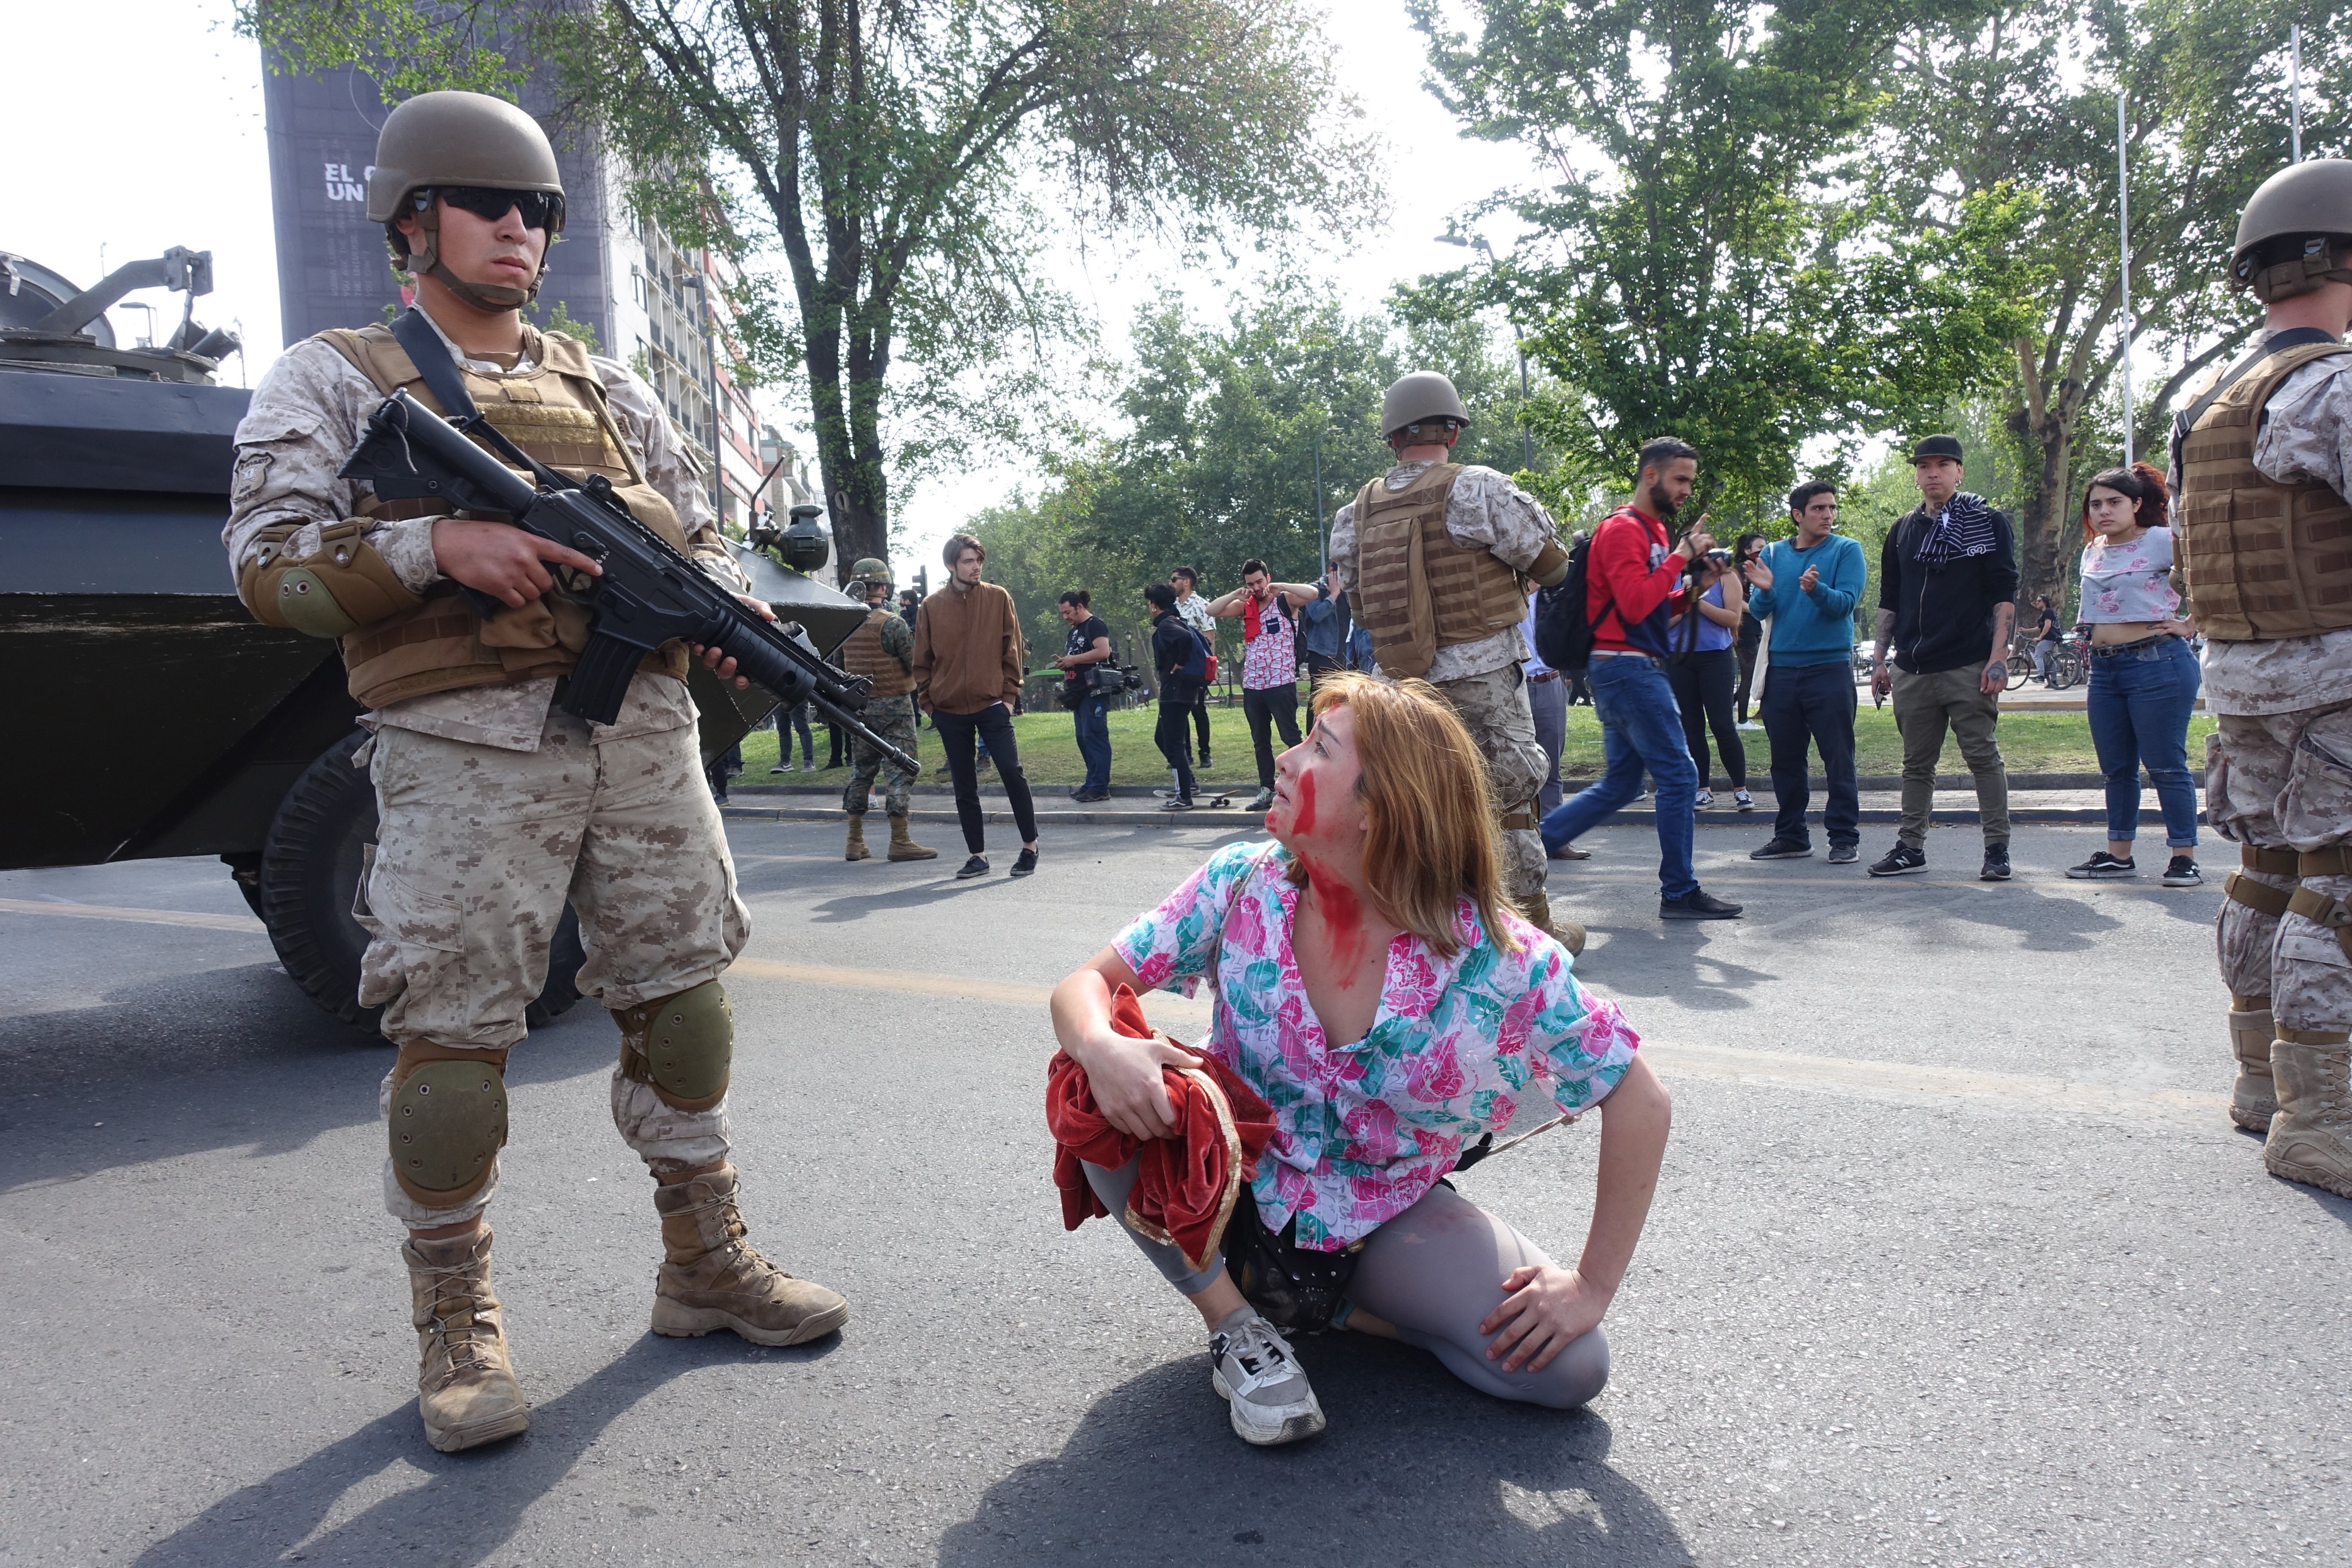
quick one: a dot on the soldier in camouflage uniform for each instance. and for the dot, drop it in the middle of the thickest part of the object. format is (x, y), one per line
(496, 807)
(2261, 465)
(883, 650)
(1446, 605)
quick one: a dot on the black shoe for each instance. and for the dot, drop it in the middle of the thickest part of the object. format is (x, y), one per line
(976, 867)
(718, 798)
(1024, 863)
(1844, 854)
(1900, 860)
(1261, 801)
(1207, 762)
(2183, 872)
(2100, 866)
(1996, 864)
(1696, 905)
(1782, 850)
(781, 767)
(1091, 797)
(1177, 803)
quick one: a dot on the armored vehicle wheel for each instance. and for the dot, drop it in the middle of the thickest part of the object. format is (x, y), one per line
(309, 877)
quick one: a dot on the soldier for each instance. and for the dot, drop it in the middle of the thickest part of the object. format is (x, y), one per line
(2260, 464)
(883, 650)
(1436, 560)
(497, 807)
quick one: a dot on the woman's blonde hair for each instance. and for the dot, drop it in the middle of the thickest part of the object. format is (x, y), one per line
(1430, 838)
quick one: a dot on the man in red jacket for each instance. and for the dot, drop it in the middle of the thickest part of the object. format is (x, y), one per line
(1634, 583)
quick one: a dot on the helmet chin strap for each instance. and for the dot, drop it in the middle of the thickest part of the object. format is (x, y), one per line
(488, 297)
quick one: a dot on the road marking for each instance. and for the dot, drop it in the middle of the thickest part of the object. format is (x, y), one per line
(1729, 1064)
(244, 922)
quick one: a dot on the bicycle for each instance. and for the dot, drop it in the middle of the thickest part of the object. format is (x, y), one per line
(2070, 663)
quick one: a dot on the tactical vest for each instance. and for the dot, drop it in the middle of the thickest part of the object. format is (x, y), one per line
(2265, 560)
(1416, 589)
(557, 412)
(862, 654)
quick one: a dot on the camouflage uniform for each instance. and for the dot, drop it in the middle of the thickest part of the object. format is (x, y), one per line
(1482, 680)
(892, 719)
(495, 808)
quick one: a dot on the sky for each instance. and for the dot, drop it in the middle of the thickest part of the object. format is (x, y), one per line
(90, 181)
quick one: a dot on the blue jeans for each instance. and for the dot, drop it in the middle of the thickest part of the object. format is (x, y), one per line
(1092, 716)
(2139, 703)
(1640, 728)
(1812, 703)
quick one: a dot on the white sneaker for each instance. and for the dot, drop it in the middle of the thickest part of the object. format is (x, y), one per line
(1705, 799)
(1253, 1370)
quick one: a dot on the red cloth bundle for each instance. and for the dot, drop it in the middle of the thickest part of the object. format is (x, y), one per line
(1187, 1184)
(1253, 618)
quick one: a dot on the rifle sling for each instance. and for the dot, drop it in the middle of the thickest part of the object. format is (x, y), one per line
(439, 373)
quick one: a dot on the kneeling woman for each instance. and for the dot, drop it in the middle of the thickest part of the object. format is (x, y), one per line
(1376, 991)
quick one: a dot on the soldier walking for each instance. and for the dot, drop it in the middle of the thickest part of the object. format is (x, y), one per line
(2260, 465)
(1436, 559)
(496, 807)
(883, 650)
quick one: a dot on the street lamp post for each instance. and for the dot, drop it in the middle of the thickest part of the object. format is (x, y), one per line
(1526, 437)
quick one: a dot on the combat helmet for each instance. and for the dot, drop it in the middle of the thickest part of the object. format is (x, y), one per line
(2310, 202)
(445, 139)
(1422, 397)
(870, 571)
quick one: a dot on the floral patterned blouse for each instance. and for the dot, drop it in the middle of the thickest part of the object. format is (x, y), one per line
(2130, 582)
(1364, 1130)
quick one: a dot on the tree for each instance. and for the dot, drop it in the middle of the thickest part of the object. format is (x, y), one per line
(1706, 280)
(2021, 101)
(901, 154)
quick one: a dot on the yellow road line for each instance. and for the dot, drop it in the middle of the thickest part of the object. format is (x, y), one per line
(245, 923)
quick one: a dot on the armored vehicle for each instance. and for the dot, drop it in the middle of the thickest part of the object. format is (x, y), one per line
(147, 714)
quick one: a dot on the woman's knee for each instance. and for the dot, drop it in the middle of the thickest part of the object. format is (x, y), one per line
(1576, 1375)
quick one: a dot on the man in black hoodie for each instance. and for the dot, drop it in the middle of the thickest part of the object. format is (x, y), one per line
(1172, 648)
(1947, 600)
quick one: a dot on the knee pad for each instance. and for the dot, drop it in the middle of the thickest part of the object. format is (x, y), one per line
(681, 1046)
(446, 1122)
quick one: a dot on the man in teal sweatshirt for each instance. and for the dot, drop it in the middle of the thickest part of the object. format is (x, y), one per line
(1804, 590)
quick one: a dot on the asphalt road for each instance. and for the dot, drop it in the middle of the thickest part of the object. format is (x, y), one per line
(1956, 1260)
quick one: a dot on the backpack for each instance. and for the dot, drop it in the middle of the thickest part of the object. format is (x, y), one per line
(1199, 665)
(1563, 634)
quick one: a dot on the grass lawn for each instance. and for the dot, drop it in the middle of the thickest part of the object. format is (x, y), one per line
(2030, 742)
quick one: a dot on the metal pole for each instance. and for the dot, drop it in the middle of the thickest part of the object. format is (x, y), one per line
(2123, 208)
(2294, 92)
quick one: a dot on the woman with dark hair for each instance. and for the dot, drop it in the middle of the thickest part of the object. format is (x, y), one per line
(1749, 546)
(2045, 635)
(1701, 672)
(1378, 994)
(2144, 679)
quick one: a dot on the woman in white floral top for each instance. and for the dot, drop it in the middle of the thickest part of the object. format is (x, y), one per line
(1374, 987)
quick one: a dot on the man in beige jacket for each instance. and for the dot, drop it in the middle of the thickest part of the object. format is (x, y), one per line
(967, 678)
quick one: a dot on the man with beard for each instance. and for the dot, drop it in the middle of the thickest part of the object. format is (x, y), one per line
(1635, 582)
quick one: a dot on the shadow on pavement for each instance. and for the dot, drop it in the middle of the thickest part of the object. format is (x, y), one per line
(1414, 1468)
(470, 1503)
(217, 1058)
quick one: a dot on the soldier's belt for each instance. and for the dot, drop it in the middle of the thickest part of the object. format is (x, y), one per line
(2336, 860)
(2322, 910)
(2261, 896)
(2278, 862)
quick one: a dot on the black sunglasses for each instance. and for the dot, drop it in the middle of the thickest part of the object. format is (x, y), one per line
(539, 209)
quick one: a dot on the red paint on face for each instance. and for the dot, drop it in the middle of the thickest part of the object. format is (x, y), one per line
(1305, 824)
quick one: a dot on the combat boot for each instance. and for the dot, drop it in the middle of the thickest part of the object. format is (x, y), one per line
(903, 846)
(465, 1388)
(857, 850)
(2311, 1137)
(2254, 1100)
(712, 1278)
(1567, 933)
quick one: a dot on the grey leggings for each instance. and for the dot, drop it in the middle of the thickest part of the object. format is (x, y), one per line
(1435, 1271)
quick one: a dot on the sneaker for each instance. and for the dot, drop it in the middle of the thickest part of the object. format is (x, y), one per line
(1253, 1371)
(1261, 801)
(1844, 854)
(1705, 799)
(1996, 864)
(1207, 762)
(1696, 905)
(2102, 864)
(1743, 800)
(1091, 797)
(781, 767)
(1166, 792)
(1024, 863)
(976, 867)
(1900, 860)
(1176, 803)
(2181, 872)
(1782, 850)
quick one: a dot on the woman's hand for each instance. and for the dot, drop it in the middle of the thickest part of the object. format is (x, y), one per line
(1547, 1308)
(2185, 628)
(1124, 1073)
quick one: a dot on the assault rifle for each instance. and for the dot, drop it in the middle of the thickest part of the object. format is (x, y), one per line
(648, 594)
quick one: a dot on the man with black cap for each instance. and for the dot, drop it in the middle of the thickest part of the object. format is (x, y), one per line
(1947, 599)
(2262, 467)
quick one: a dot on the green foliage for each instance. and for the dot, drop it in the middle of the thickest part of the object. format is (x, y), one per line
(560, 320)
(911, 160)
